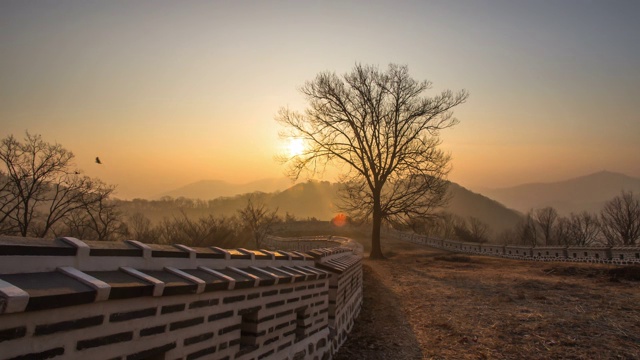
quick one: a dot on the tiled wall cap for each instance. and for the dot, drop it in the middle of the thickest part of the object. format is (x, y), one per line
(256, 280)
(314, 270)
(271, 254)
(293, 276)
(227, 255)
(296, 271)
(247, 252)
(158, 286)
(146, 250)
(192, 252)
(82, 248)
(316, 253)
(102, 288)
(14, 298)
(196, 280)
(285, 253)
(268, 273)
(304, 256)
(229, 279)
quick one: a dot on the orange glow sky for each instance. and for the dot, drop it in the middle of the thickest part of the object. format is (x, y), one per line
(172, 92)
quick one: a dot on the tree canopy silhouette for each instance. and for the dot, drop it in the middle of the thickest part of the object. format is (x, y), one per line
(620, 219)
(40, 188)
(382, 126)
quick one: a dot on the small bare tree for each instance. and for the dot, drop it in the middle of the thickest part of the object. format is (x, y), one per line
(386, 132)
(98, 219)
(461, 229)
(546, 218)
(258, 219)
(584, 229)
(479, 230)
(141, 229)
(620, 219)
(103, 216)
(527, 230)
(562, 231)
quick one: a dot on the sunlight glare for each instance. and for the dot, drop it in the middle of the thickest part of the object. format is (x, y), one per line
(296, 147)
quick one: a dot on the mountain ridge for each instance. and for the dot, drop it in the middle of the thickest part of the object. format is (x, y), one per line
(212, 188)
(319, 199)
(583, 193)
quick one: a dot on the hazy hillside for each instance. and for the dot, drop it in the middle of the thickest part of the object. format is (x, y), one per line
(466, 203)
(588, 192)
(211, 189)
(310, 199)
(317, 199)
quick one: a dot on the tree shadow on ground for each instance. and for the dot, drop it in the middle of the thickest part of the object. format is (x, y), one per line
(381, 331)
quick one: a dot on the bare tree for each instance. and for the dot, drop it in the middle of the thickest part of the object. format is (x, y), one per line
(382, 127)
(205, 231)
(527, 230)
(461, 229)
(40, 188)
(508, 237)
(258, 219)
(546, 218)
(103, 216)
(8, 205)
(98, 219)
(584, 229)
(620, 219)
(562, 231)
(479, 230)
(140, 228)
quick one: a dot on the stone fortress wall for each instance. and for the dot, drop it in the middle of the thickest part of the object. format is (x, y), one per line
(72, 299)
(606, 255)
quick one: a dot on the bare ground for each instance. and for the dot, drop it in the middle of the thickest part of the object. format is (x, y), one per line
(424, 303)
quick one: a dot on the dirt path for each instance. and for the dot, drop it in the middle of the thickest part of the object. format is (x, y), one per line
(423, 303)
(381, 331)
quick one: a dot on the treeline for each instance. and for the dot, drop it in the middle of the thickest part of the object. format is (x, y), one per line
(42, 194)
(446, 225)
(617, 224)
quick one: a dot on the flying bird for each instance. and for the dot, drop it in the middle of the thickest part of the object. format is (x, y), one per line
(98, 161)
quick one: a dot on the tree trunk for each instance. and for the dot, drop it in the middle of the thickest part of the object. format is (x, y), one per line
(376, 250)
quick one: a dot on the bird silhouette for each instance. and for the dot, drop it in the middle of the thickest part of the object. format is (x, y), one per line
(98, 161)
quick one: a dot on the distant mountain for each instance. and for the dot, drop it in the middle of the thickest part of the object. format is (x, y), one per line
(211, 189)
(466, 203)
(310, 199)
(585, 193)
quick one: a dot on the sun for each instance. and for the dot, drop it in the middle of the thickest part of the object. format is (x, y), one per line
(296, 147)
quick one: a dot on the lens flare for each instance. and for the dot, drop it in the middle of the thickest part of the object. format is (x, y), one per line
(339, 220)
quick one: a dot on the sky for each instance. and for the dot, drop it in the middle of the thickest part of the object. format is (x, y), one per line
(171, 92)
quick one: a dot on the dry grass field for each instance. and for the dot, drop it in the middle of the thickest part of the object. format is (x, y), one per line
(423, 303)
